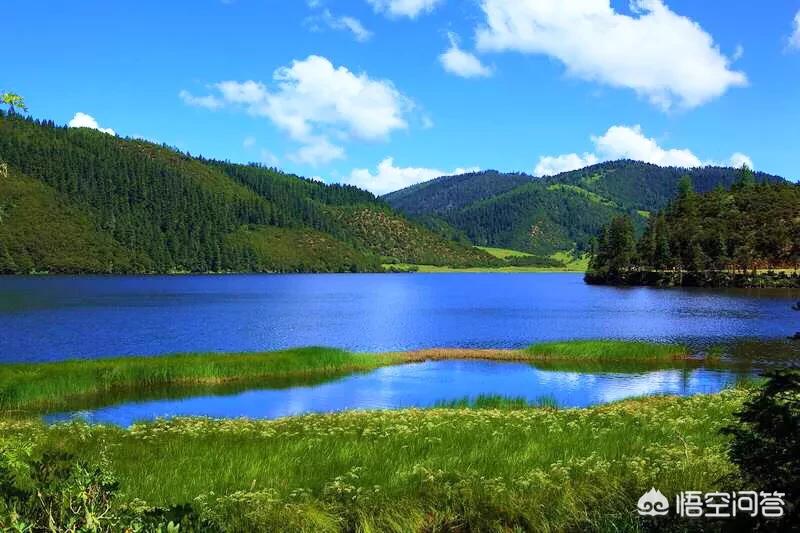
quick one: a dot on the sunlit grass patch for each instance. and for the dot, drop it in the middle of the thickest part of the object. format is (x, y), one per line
(608, 350)
(53, 385)
(467, 469)
(496, 401)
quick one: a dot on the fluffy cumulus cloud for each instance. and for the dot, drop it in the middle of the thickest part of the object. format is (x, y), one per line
(82, 120)
(628, 142)
(461, 63)
(625, 142)
(388, 177)
(550, 165)
(738, 159)
(314, 101)
(665, 57)
(794, 40)
(404, 8)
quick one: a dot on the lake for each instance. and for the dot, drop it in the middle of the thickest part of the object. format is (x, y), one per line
(59, 317)
(422, 385)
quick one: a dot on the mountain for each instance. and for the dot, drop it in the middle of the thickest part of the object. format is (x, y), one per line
(76, 200)
(556, 213)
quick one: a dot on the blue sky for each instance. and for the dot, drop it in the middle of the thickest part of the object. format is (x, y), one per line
(385, 93)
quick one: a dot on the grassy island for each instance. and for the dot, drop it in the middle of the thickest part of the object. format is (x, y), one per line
(60, 384)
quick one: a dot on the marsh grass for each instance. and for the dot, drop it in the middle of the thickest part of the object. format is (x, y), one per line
(459, 468)
(494, 401)
(82, 384)
(608, 350)
(48, 386)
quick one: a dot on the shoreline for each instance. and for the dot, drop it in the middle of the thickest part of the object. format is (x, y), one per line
(54, 385)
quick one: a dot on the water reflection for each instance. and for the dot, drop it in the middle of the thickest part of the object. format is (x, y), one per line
(424, 385)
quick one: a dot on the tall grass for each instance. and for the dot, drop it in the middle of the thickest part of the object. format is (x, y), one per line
(494, 401)
(65, 384)
(607, 350)
(54, 385)
(441, 469)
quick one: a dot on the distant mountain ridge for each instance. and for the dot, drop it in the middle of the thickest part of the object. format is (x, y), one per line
(554, 213)
(75, 200)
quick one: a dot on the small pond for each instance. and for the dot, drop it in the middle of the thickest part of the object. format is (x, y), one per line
(424, 385)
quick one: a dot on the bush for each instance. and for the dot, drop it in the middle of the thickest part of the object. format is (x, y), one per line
(58, 492)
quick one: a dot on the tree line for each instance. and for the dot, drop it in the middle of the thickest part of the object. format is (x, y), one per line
(747, 228)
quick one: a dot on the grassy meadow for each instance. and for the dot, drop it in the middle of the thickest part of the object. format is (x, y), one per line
(569, 261)
(502, 466)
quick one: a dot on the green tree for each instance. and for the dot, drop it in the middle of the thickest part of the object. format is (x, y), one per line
(13, 101)
(685, 188)
(7, 265)
(766, 443)
(746, 178)
(662, 257)
(621, 246)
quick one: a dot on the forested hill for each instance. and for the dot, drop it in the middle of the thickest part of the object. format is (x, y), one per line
(78, 200)
(723, 237)
(562, 212)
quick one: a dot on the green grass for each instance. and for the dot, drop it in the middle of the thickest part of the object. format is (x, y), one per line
(571, 263)
(608, 350)
(503, 253)
(79, 384)
(579, 264)
(54, 385)
(443, 469)
(494, 401)
(446, 269)
(591, 196)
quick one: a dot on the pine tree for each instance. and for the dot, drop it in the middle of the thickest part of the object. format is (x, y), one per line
(7, 264)
(621, 246)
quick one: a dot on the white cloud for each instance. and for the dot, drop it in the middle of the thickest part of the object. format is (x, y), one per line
(388, 177)
(317, 151)
(208, 102)
(550, 165)
(661, 55)
(340, 23)
(461, 63)
(738, 159)
(794, 40)
(82, 120)
(625, 142)
(268, 157)
(312, 100)
(628, 142)
(249, 141)
(404, 8)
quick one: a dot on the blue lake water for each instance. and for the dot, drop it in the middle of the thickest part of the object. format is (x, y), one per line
(421, 385)
(52, 318)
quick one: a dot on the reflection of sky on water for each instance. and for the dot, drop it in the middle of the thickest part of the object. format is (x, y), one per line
(59, 317)
(423, 385)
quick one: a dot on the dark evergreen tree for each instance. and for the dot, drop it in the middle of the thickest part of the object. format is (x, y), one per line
(766, 446)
